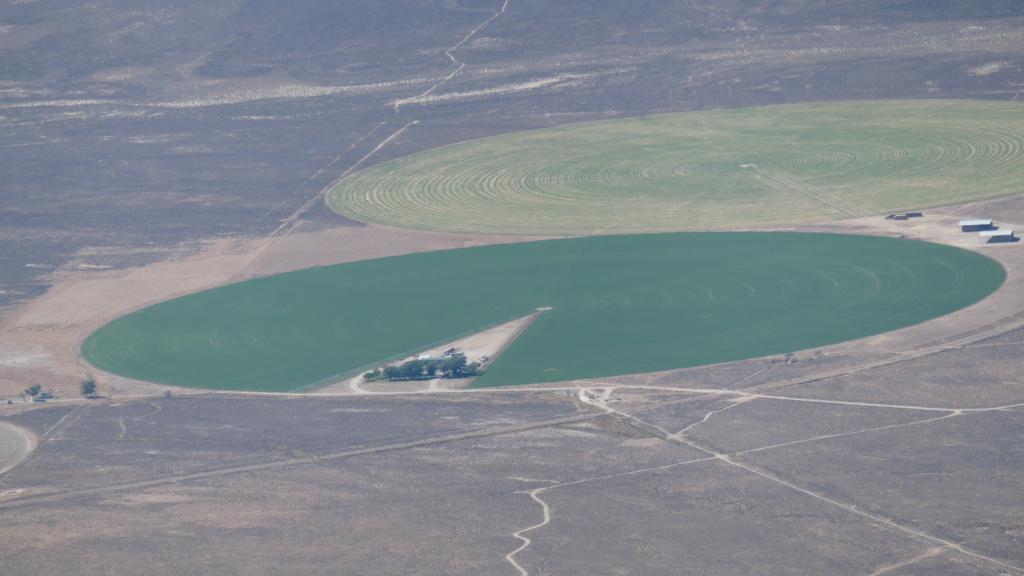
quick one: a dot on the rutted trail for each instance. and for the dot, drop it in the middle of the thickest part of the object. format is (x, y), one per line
(67, 420)
(599, 401)
(288, 223)
(930, 553)
(708, 416)
(123, 422)
(16, 444)
(853, 509)
(289, 462)
(546, 510)
(347, 150)
(450, 54)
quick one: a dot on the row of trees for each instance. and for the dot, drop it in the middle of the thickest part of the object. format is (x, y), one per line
(452, 367)
(35, 392)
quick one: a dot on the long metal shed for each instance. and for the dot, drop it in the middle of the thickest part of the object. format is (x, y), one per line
(975, 225)
(997, 235)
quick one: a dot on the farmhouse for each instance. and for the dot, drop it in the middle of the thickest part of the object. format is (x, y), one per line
(975, 225)
(993, 236)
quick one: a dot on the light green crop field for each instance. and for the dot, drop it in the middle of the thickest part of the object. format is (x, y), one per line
(709, 170)
(620, 305)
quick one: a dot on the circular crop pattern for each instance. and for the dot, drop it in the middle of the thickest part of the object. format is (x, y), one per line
(619, 305)
(711, 170)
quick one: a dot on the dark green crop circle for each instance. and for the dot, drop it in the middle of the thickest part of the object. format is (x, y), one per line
(620, 305)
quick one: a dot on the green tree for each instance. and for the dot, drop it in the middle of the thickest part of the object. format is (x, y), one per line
(33, 390)
(89, 387)
(413, 369)
(453, 366)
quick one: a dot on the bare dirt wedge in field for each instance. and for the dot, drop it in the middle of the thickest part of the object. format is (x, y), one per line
(487, 344)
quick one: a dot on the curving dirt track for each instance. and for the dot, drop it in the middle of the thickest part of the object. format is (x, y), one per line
(15, 444)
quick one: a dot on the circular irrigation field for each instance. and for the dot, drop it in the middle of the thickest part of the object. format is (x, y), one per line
(620, 305)
(726, 169)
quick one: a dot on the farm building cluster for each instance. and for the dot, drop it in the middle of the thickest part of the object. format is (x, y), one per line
(452, 364)
(988, 231)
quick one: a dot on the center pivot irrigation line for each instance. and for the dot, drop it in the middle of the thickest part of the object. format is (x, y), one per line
(804, 192)
(288, 224)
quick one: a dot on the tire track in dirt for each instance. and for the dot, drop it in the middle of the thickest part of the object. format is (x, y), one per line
(450, 54)
(123, 422)
(598, 401)
(289, 223)
(16, 444)
(930, 553)
(285, 463)
(68, 419)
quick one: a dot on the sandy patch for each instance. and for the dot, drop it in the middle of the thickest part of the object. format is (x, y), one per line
(24, 355)
(987, 69)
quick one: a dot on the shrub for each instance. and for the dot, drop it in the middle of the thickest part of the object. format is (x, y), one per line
(89, 387)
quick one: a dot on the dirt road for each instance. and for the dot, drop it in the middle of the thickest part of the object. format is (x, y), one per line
(15, 444)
